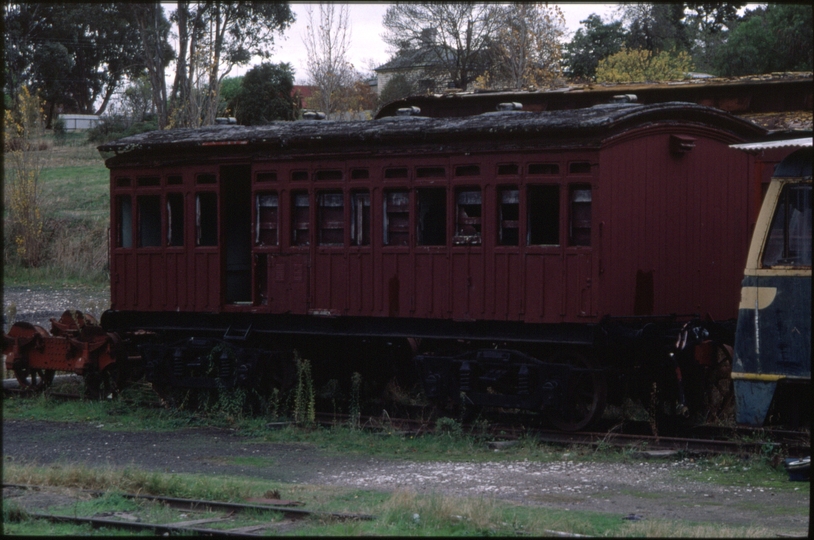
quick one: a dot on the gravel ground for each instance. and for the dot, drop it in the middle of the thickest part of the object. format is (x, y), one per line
(648, 489)
(38, 305)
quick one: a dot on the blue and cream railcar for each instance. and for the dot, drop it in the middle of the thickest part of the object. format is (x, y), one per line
(772, 358)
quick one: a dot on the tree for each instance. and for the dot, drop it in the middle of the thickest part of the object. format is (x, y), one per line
(397, 87)
(526, 48)
(327, 40)
(75, 55)
(265, 95)
(588, 47)
(775, 38)
(655, 27)
(156, 54)
(707, 26)
(213, 38)
(457, 35)
(642, 65)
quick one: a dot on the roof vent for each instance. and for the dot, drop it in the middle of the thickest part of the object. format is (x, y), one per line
(313, 115)
(512, 106)
(624, 98)
(223, 121)
(408, 111)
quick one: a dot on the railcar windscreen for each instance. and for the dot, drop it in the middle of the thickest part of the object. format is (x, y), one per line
(789, 239)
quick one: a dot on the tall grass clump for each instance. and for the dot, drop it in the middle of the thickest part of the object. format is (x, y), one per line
(304, 409)
(24, 128)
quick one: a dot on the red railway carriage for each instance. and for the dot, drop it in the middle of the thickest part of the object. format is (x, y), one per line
(546, 218)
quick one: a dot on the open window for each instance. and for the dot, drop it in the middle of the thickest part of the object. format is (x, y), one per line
(432, 217)
(267, 226)
(543, 205)
(331, 217)
(789, 239)
(149, 220)
(360, 218)
(508, 216)
(124, 232)
(300, 219)
(175, 219)
(467, 217)
(396, 218)
(579, 233)
(206, 218)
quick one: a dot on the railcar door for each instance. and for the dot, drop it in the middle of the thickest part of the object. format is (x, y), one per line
(237, 211)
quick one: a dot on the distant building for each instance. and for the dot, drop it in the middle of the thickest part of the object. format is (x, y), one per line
(78, 122)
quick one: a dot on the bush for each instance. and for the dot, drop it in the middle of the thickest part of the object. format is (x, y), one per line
(117, 126)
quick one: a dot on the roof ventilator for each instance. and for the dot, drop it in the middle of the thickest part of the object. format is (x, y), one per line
(408, 111)
(313, 115)
(681, 144)
(624, 98)
(510, 106)
(223, 121)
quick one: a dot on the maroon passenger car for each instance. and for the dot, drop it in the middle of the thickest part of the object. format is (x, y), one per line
(498, 230)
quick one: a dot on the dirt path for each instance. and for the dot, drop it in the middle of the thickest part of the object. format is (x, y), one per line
(648, 489)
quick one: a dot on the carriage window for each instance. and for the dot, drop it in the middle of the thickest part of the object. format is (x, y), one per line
(430, 172)
(266, 205)
(400, 172)
(467, 170)
(397, 218)
(147, 181)
(331, 219)
(300, 218)
(468, 217)
(122, 182)
(509, 215)
(579, 233)
(543, 215)
(579, 167)
(544, 168)
(432, 217)
(267, 176)
(206, 179)
(175, 180)
(508, 169)
(359, 174)
(299, 176)
(789, 240)
(149, 220)
(175, 219)
(329, 174)
(206, 219)
(125, 217)
(360, 218)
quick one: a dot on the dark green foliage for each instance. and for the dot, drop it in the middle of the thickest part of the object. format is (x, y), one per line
(266, 95)
(595, 43)
(656, 27)
(115, 127)
(777, 38)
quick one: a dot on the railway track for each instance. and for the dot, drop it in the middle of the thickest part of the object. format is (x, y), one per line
(228, 510)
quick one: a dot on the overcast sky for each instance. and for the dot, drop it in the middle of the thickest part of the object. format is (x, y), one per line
(367, 46)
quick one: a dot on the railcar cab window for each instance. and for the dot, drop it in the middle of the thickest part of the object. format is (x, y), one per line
(467, 217)
(579, 233)
(396, 172)
(149, 220)
(331, 217)
(328, 174)
(360, 218)
(508, 169)
(509, 216)
(299, 176)
(267, 225)
(300, 219)
(467, 170)
(266, 176)
(432, 217)
(789, 239)
(396, 218)
(543, 214)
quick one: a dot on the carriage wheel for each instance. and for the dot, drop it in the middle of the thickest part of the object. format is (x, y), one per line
(34, 379)
(585, 396)
(719, 395)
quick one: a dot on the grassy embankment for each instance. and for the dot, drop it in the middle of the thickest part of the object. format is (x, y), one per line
(75, 205)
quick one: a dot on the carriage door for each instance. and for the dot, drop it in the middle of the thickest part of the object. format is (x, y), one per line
(237, 232)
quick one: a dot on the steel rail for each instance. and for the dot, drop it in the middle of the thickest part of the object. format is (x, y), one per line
(157, 528)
